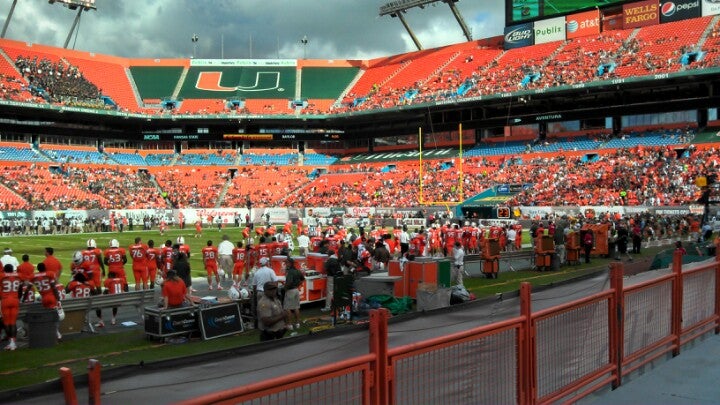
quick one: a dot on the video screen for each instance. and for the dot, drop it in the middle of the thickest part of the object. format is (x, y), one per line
(524, 10)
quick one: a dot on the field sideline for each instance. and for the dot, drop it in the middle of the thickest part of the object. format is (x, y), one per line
(66, 244)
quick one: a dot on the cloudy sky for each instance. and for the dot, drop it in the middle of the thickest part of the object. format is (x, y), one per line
(342, 29)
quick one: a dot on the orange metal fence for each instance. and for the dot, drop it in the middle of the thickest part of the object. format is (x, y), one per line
(557, 355)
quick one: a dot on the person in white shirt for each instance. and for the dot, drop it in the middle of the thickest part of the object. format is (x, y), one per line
(303, 244)
(8, 258)
(263, 275)
(458, 263)
(225, 249)
(511, 236)
(404, 241)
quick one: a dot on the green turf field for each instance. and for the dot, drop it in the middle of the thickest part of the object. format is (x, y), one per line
(66, 245)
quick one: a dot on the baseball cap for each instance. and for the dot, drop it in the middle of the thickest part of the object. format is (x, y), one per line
(270, 285)
(264, 261)
(8, 250)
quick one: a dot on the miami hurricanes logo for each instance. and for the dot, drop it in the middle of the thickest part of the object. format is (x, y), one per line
(264, 81)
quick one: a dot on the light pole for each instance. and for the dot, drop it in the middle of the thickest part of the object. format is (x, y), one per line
(194, 40)
(304, 42)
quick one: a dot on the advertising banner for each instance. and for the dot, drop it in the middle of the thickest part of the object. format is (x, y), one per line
(583, 24)
(676, 10)
(641, 14)
(220, 320)
(550, 30)
(710, 7)
(518, 36)
(243, 62)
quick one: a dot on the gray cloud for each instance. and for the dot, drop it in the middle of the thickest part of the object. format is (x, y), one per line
(336, 29)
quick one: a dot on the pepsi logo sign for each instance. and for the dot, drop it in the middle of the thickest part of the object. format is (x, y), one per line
(669, 8)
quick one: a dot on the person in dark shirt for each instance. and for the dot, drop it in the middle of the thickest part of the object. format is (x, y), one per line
(332, 269)
(291, 303)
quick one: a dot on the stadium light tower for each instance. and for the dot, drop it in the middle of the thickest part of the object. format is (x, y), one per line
(9, 17)
(194, 39)
(80, 6)
(399, 7)
(304, 42)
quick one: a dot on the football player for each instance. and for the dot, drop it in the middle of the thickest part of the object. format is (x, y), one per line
(138, 253)
(93, 256)
(10, 293)
(210, 261)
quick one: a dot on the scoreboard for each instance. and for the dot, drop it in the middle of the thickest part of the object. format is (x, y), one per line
(528, 10)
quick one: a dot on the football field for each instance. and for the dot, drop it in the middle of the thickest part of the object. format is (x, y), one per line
(66, 244)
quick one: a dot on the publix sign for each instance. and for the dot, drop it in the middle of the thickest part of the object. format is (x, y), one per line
(550, 30)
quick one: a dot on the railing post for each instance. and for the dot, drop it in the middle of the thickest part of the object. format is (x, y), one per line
(94, 369)
(66, 378)
(717, 286)
(526, 358)
(677, 301)
(617, 321)
(380, 393)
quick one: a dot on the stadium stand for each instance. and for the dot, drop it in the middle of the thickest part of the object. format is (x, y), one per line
(265, 185)
(202, 106)
(268, 106)
(74, 154)
(196, 157)
(112, 75)
(559, 167)
(12, 151)
(660, 47)
(125, 157)
(191, 187)
(456, 71)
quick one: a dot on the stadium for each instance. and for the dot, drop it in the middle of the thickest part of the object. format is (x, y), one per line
(595, 113)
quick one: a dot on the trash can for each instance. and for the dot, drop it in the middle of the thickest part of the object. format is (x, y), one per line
(42, 327)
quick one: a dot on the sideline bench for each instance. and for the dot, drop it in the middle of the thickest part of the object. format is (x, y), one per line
(78, 309)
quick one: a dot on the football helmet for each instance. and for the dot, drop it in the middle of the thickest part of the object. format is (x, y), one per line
(221, 272)
(244, 293)
(234, 293)
(180, 240)
(91, 243)
(77, 257)
(114, 243)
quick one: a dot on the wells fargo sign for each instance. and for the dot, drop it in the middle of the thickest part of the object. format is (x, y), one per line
(641, 14)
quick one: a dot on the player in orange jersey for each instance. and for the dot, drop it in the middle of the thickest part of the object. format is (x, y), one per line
(45, 284)
(114, 284)
(10, 292)
(138, 253)
(79, 265)
(166, 257)
(153, 262)
(115, 258)
(198, 228)
(93, 256)
(210, 261)
(240, 264)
